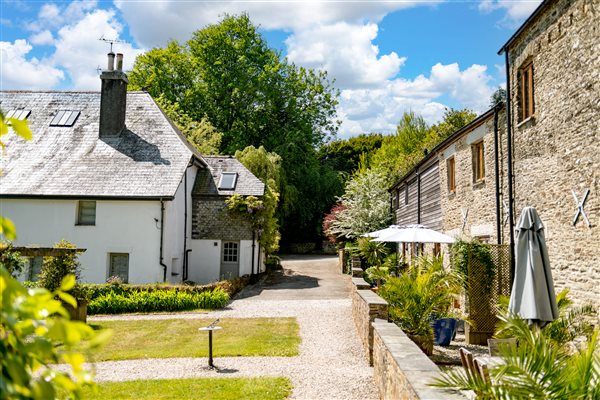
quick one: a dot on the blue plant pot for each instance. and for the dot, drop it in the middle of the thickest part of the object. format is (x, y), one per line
(443, 331)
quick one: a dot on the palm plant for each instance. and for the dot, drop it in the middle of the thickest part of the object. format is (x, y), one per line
(423, 292)
(539, 368)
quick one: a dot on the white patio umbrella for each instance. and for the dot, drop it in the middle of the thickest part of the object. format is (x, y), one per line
(382, 232)
(532, 296)
(415, 234)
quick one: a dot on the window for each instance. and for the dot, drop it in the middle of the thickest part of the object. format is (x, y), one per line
(451, 175)
(64, 118)
(437, 249)
(397, 198)
(119, 266)
(230, 252)
(406, 195)
(227, 181)
(19, 114)
(478, 162)
(86, 213)
(34, 268)
(526, 105)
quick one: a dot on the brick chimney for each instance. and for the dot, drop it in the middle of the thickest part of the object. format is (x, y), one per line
(113, 98)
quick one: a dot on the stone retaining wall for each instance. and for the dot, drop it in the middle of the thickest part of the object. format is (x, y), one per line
(401, 369)
(366, 306)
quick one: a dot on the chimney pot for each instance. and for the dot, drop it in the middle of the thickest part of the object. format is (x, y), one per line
(119, 61)
(111, 61)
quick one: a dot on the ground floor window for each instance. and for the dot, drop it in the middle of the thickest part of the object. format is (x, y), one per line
(119, 266)
(230, 252)
(34, 267)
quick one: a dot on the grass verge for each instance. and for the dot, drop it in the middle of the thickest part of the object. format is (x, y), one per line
(170, 338)
(263, 388)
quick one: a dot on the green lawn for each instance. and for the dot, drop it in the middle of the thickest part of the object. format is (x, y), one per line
(263, 388)
(181, 338)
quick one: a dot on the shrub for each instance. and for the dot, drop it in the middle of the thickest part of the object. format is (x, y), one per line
(55, 268)
(11, 259)
(117, 300)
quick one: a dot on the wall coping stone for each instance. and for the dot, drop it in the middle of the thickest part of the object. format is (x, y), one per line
(371, 298)
(360, 283)
(418, 370)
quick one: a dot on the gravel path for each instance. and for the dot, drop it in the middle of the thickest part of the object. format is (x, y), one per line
(331, 364)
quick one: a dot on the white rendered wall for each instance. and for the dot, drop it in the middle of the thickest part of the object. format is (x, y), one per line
(173, 246)
(121, 227)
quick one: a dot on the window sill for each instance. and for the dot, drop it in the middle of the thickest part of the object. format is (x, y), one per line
(85, 224)
(527, 120)
(479, 184)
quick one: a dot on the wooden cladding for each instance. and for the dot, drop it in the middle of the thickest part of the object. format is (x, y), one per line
(451, 168)
(478, 162)
(526, 104)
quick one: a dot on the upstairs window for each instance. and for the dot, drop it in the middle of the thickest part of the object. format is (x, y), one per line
(406, 195)
(228, 180)
(526, 105)
(86, 213)
(65, 118)
(450, 166)
(478, 162)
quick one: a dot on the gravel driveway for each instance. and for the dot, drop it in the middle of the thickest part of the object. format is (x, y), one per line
(331, 364)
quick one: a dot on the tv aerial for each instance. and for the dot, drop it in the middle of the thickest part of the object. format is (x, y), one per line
(111, 41)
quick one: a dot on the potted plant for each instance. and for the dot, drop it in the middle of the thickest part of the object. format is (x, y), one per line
(419, 294)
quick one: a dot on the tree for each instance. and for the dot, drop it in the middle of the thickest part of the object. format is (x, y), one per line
(227, 73)
(267, 167)
(453, 120)
(499, 96)
(367, 206)
(344, 155)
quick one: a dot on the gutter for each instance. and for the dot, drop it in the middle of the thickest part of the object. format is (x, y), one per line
(185, 219)
(162, 230)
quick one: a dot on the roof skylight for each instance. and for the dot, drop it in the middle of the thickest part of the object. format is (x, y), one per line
(19, 114)
(65, 118)
(228, 180)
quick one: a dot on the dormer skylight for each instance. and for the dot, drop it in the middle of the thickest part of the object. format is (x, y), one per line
(65, 118)
(19, 114)
(227, 181)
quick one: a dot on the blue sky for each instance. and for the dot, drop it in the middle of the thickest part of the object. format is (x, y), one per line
(386, 57)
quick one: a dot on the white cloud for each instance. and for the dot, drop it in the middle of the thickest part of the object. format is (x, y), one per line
(346, 52)
(18, 72)
(379, 110)
(516, 10)
(80, 53)
(51, 16)
(157, 22)
(42, 38)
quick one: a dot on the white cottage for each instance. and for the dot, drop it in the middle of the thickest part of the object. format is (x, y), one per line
(112, 174)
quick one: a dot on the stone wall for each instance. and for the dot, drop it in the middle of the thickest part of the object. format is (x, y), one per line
(402, 370)
(366, 306)
(211, 220)
(557, 150)
(479, 199)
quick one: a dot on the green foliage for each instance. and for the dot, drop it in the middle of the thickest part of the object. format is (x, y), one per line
(423, 292)
(572, 323)
(344, 155)
(267, 167)
(56, 268)
(466, 253)
(499, 96)
(537, 368)
(21, 129)
(118, 301)
(35, 334)
(11, 259)
(453, 120)
(201, 134)
(374, 253)
(227, 73)
(366, 202)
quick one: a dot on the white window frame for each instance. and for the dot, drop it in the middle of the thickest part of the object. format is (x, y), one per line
(223, 180)
(111, 271)
(81, 204)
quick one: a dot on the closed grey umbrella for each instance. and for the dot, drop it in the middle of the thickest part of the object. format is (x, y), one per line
(532, 296)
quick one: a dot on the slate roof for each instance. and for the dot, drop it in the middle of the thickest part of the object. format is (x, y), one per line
(207, 180)
(147, 160)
